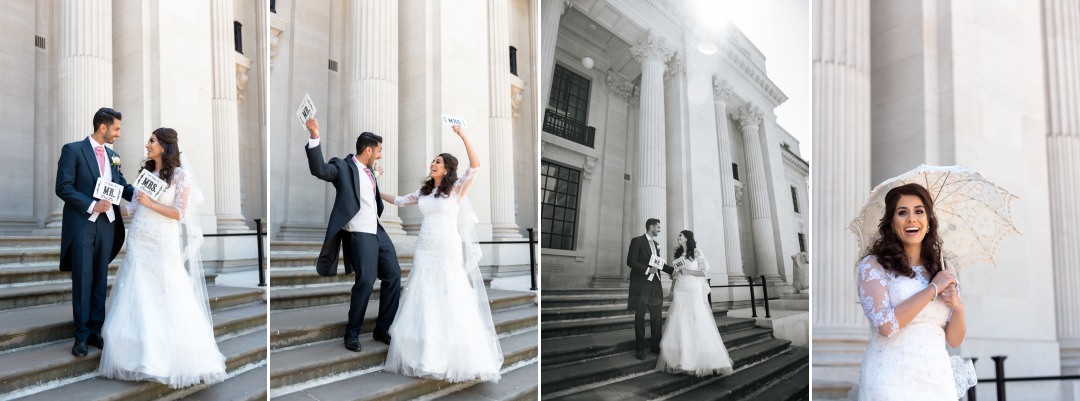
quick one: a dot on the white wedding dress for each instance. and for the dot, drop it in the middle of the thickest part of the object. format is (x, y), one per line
(902, 364)
(444, 329)
(691, 343)
(156, 328)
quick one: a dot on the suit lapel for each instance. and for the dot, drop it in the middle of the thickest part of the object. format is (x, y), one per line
(356, 177)
(91, 159)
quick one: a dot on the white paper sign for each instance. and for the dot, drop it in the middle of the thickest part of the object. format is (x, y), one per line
(454, 120)
(150, 184)
(680, 263)
(306, 110)
(657, 262)
(108, 190)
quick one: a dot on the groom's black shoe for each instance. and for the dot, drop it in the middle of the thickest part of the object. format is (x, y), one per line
(79, 349)
(96, 341)
(352, 344)
(381, 337)
(640, 354)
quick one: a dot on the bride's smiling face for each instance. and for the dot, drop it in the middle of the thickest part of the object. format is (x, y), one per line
(910, 221)
(153, 148)
(682, 240)
(437, 168)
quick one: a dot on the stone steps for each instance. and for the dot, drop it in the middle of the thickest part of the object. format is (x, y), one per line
(625, 321)
(294, 327)
(517, 385)
(240, 351)
(247, 386)
(44, 362)
(572, 349)
(45, 293)
(584, 374)
(550, 314)
(759, 382)
(20, 273)
(389, 386)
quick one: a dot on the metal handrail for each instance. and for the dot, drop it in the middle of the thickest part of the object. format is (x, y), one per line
(1000, 379)
(753, 302)
(532, 253)
(259, 233)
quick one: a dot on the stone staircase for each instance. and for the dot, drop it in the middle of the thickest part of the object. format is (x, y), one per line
(36, 335)
(588, 354)
(309, 361)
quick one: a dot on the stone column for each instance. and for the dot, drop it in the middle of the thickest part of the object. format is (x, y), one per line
(722, 93)
(1062, 36)
(650, 168)
(760, 214)
(226, 127)
(84, 80)
(500, 122)
(841, 176)
(373, 93)
(551, 12)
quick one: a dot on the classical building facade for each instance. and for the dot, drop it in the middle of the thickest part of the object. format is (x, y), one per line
(990, 86)
(393, 68)
(651, 111)
(173, 64)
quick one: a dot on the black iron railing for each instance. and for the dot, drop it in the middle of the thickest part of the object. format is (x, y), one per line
(568, 128)
(259, 234)
(753, 302)
(532, 253)
(999, 378)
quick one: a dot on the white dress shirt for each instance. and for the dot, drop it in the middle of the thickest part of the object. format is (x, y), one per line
(652, 247)
(367, 219)
(107, 175)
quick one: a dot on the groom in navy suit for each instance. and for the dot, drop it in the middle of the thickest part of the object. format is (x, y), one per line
(93, 230)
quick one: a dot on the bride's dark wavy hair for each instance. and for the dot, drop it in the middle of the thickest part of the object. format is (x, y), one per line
(170, 154)
(448, 180)
(691, 245)
(889, 249)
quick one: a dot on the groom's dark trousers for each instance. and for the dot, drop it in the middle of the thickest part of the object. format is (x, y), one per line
(90, 257)
(376, 257)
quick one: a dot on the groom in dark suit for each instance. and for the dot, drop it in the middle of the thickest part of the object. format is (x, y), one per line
(354, 229)
(646, 293)
(93, 230)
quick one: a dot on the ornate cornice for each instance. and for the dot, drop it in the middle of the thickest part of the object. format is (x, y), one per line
(675, 66)
(756, 75)
(796, 162)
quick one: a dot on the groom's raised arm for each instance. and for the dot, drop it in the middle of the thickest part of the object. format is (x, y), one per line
(318, 167)
(65, 181)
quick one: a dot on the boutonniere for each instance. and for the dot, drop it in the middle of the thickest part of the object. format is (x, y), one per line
(116, 161)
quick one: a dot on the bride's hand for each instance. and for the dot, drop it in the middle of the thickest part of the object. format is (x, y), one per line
(144, 199)
(944, 279)
(459, 131)
(952, 298)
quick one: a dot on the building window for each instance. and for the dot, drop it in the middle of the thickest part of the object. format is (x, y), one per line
(238, 41)
(802, 242)
(735, 171)
(559, 205)
(568, 107)
(513, 60)
(795, 199)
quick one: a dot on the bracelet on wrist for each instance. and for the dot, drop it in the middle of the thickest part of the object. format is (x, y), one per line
(935, 291)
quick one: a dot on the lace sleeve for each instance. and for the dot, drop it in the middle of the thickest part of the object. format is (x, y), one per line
(406, 200)
(183, 192)
(703, 264)
(465, 181)
(874, 297)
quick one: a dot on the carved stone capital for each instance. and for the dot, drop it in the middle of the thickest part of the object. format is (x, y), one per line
(243, 65)
(620, 86)
(749, 116)
(590, 166)
(651, 47)
(277, 27)
(722, 90)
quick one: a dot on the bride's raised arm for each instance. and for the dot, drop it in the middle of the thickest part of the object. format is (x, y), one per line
(178, 208)
(466, 179)
(400, 201)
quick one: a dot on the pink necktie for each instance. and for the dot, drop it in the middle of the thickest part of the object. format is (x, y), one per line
(372, 177)
(100, 150)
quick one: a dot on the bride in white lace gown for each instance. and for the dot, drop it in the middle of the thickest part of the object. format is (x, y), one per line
(158, 327)
(444, 329)
(911, 303)
(691, 342)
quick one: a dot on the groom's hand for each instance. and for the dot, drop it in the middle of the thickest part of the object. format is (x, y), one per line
(313, 128)
(102, 206)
